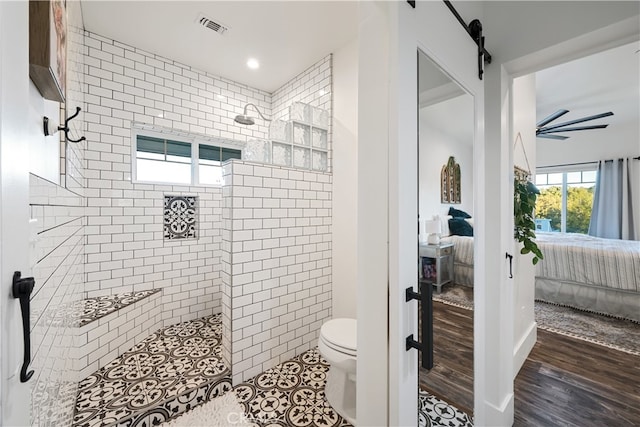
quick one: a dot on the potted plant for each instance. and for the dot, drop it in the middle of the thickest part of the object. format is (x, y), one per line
(525, 194)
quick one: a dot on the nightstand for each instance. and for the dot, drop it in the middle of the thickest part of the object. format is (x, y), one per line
(436, 266)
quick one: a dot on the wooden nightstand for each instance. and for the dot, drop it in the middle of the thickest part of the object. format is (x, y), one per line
(441, 258)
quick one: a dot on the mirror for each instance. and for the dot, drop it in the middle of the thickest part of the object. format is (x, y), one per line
(445, 242)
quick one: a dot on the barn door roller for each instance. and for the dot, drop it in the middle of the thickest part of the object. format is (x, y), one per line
(474, 29)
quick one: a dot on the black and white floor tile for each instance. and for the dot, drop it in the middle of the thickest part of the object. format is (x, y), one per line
(433, 412)
(180, 367)
(95, 308)
(290, 394)
(168, 373)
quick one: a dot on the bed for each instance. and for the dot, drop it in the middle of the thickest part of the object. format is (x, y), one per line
(590, 273)
(581, 271)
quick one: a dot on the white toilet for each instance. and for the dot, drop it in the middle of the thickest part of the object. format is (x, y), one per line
(337, 344)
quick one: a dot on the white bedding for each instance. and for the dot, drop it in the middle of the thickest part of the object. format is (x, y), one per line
(590, 273)
(462, 259)
(590, 260)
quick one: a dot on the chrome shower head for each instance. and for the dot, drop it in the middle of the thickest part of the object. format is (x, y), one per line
(245, 119)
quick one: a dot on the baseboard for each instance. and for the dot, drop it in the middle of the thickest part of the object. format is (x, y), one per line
(498, 416)
(524, 346)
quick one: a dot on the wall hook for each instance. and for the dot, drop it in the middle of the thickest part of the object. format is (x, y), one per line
(50, 127)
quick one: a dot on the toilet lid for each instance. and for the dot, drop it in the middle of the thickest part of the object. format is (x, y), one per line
(341, 334)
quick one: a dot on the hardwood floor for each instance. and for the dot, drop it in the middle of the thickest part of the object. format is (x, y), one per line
(564, 381)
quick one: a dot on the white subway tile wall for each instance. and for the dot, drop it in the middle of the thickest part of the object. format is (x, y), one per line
(57, 256)
(103, 340)
(125, 246)
(276, 264)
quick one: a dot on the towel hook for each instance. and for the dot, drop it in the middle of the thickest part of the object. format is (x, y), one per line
(50, 127)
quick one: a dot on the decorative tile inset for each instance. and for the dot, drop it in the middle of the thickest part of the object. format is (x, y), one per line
(168, 373)
(180, 217)
(290, 394)
(95, 308)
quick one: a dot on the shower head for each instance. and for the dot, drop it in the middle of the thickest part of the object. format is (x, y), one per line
(245, 119)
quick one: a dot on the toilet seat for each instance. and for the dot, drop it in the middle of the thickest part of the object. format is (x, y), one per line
(340, 335)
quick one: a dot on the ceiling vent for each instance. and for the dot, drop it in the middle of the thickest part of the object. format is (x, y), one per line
(211, 24)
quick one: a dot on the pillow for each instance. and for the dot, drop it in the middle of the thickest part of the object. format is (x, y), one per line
(456, 213)
(460, 227)
(470, 221)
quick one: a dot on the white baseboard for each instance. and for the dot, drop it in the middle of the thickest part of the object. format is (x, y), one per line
(495, 416)
(524, 346)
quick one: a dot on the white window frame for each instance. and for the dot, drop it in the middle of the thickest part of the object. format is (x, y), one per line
(564, 185)
(195, 154)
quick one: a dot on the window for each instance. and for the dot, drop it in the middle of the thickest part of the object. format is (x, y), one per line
(565, 201)
(170, 161)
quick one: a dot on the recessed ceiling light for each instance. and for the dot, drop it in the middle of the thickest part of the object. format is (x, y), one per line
(253, 63)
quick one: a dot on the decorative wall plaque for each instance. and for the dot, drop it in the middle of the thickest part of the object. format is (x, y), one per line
(450, 182)
(180, 217)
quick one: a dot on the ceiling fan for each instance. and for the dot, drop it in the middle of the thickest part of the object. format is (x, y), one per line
(544, 131)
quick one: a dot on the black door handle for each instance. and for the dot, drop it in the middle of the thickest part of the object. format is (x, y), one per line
(510, 257)
(22, 288)
(425, 297)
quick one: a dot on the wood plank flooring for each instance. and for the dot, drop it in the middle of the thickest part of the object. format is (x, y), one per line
(564, 381)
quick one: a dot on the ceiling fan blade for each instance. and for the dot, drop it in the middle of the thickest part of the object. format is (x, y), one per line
(543, 132)
(549, 136)
(551, 118)
(573, 122)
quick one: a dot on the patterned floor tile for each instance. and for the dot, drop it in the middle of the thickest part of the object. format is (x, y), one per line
(433, 412)
(290, 394)
(168, 373)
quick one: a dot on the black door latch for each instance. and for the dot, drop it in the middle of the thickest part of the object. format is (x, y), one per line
(22, 288)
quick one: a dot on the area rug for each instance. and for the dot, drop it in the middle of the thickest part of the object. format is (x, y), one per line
(433, 412)
(223, 411)
(618, 334)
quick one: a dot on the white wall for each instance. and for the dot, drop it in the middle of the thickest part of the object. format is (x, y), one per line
(43, 148)
(446, 129)
(345, 179)
(524, 156)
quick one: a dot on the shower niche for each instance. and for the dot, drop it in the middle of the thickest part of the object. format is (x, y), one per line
(300, 142)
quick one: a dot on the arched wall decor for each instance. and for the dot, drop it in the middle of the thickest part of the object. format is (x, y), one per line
(450, 182)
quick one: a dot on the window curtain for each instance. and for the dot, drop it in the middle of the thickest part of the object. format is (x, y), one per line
(616, 202)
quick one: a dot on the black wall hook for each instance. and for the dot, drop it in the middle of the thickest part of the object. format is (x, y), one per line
(64, 128)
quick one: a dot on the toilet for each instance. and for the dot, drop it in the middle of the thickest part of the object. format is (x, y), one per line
(337, 344)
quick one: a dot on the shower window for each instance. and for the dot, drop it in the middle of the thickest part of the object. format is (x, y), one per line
(169, 161)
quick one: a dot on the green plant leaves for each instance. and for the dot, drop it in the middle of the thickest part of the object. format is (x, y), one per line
(524, 203)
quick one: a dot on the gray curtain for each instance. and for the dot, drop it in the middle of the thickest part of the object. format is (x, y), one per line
(615, 202)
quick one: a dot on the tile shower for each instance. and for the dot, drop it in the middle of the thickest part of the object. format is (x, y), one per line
(131, 268)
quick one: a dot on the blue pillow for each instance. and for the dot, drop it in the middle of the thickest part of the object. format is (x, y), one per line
(456, 213)
(460, 227)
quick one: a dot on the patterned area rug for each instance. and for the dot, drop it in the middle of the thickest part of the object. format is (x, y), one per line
(619, 334)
